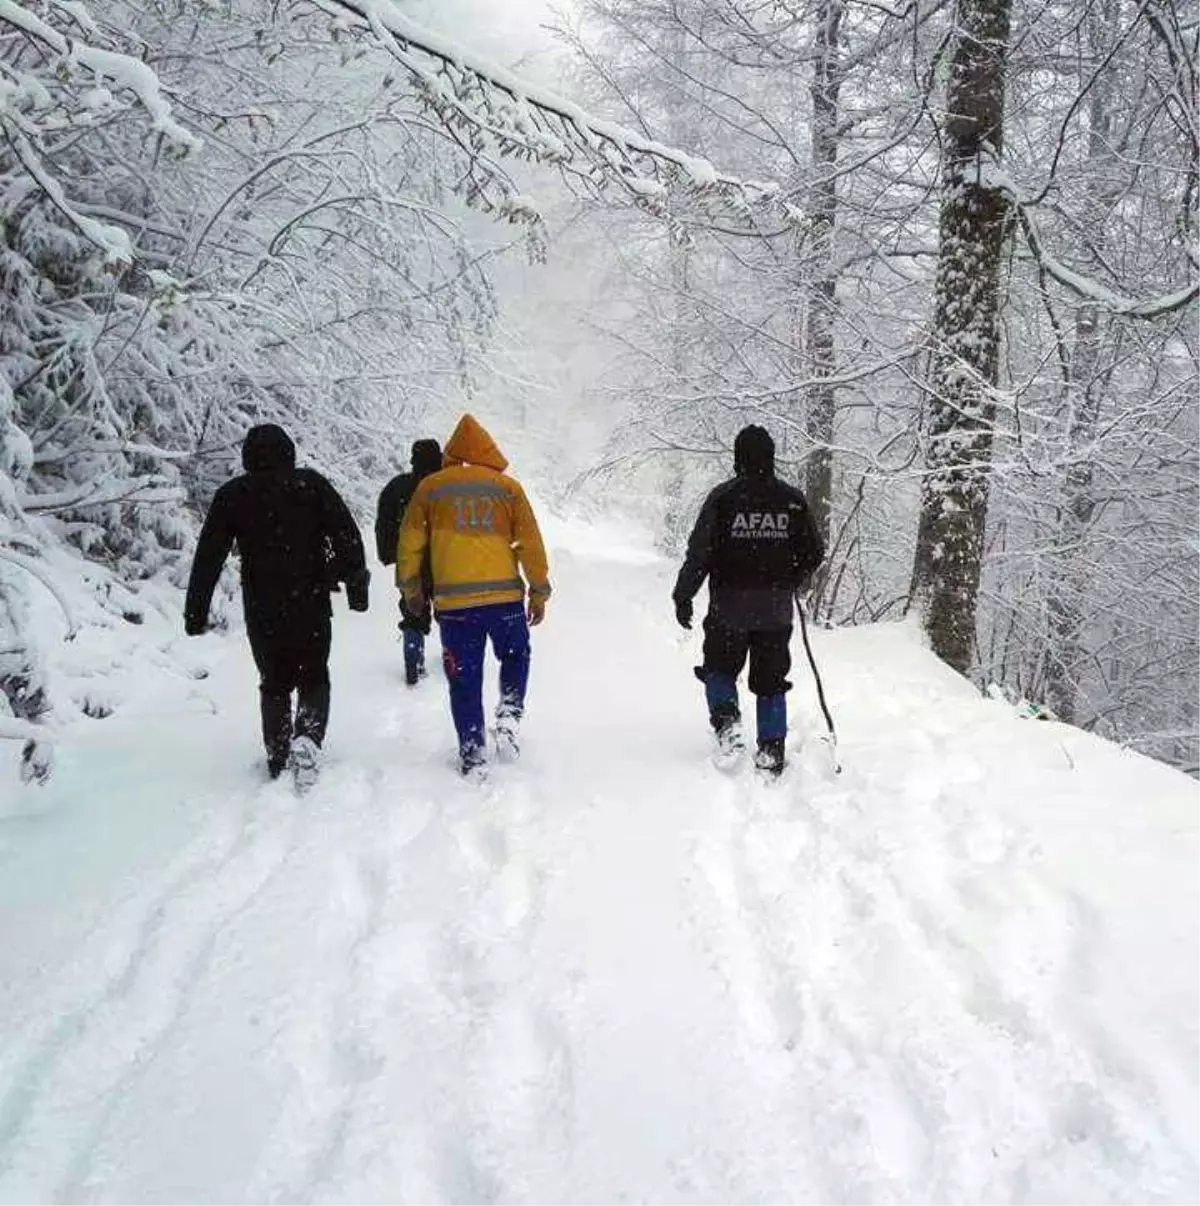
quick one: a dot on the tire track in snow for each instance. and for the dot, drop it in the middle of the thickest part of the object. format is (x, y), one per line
(142, 931)
(73, 1076)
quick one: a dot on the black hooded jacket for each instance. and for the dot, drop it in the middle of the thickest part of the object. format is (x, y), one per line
(295, 535)
(395, 497)
(754, 541)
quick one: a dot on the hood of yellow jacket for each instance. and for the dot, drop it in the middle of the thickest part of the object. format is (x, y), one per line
(472, 445)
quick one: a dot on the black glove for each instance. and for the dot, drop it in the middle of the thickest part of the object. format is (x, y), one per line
(356, 590)
(683, 612)
(195, 625)
(421, 621)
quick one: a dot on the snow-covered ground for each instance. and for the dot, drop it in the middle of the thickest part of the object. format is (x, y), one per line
(965, 969)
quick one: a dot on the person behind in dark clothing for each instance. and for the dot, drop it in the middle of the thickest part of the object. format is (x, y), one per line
(297, 540)
(756, 543)
(393, 499)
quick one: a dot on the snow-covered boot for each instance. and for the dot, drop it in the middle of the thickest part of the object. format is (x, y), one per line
(472, 763)
(305, 761)
(770, 756)
(508, 746)
(726, 721)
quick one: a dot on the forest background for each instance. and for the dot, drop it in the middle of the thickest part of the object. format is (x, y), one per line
(945, 250)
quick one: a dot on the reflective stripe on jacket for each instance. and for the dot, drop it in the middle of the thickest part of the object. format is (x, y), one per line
(478, 526)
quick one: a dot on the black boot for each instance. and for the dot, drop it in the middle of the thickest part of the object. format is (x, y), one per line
(770, 758)
(726, 721)
(724, 717)
(276, 708)
(312, 711)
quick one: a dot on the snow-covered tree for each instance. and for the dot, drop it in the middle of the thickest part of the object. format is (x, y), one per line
(965, 335)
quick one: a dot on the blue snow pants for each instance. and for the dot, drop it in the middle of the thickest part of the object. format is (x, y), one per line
(725, 652)
(465, 633)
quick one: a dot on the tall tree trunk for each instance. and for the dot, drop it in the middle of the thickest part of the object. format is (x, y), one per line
(1085, 392)
(1068, 584)
(681, 133)
(965, 364)
(677, 517)
(822, 279)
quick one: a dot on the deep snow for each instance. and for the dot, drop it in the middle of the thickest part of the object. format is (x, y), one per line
(963, 970)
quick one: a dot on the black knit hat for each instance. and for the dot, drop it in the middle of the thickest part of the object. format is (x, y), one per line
(266, 447)
(754, 452)
(426, 457)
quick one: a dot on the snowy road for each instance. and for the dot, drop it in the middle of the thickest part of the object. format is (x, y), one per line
(963, 970)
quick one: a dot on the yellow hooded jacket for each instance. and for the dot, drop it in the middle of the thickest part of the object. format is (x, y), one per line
(478, 526)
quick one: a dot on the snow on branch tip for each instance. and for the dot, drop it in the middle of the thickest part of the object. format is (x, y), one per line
(988, 173)
(491, 110)
(124, 72)
(98, 76)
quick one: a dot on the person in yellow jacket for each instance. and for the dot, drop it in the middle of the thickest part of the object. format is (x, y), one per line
(481, 534)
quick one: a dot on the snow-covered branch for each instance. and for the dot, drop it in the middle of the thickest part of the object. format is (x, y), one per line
(990, 174)
(124, 72)
(12, 729)
(111, 240)
(72, 86)
(35, 570)
(132, 490)
(492, 107)
(1093, 291)
(123, 448)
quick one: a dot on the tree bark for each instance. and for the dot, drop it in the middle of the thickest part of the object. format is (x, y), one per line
(681, 133)
(1068, 585)
(820, 348)
(1085, 391)
(965, 356)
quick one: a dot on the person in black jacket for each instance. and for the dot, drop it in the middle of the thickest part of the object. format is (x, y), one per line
(394, 498)
(756, 543)
(297, 540)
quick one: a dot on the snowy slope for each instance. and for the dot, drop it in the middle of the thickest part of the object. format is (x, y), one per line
(963, 970)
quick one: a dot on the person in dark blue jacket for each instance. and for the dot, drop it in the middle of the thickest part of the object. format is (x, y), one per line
(756, 544)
